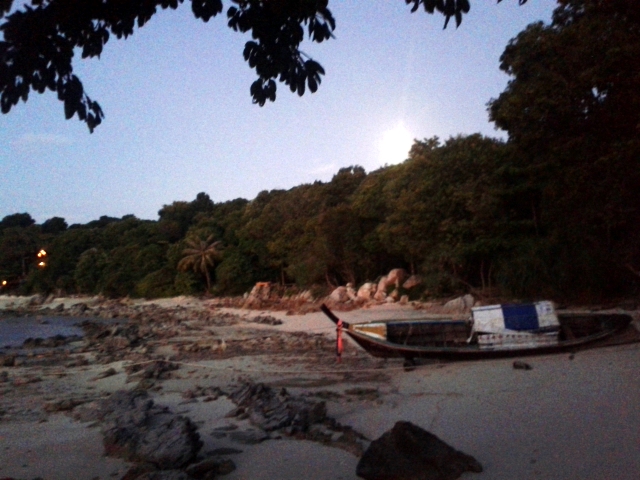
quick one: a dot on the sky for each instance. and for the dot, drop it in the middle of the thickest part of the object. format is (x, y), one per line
(179, 118)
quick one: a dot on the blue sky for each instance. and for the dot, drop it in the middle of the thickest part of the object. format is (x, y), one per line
(179, 118)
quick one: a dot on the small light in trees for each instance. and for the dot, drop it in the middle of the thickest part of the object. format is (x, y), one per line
(42, 254)
(4, 283)
(42, 264)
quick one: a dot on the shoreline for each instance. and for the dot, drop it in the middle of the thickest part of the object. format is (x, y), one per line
(570, 416)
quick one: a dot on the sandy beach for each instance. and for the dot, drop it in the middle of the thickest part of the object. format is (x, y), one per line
(568, 417)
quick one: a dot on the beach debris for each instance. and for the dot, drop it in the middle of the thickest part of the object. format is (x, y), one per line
(408, 452)
(520, 365)
(136, 429)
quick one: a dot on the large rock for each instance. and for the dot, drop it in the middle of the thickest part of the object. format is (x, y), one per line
(396, 277)
(367, 291)
(136, 429)
(271, 410)
(381, 290)
(407, 452)
(339, 295)
(351, 292)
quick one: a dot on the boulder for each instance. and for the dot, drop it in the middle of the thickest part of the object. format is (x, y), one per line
(381, 290)
(339, 295)
(77, 309)
(367, 291)
(270, 410)
(136, 429)
(407, 452)
(351, 293)
(412, 281)
(397, 276)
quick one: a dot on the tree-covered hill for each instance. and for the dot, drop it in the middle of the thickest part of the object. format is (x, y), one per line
(553, 211)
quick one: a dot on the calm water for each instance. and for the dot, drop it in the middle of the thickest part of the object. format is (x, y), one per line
(15, 330)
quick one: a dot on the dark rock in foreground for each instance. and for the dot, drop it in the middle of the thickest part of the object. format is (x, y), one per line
(407, 452)
(136, 429)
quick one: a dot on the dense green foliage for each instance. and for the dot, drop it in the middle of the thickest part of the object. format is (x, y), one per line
(553, 211)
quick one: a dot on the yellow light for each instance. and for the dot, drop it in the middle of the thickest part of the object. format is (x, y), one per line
(42, 264)
(42, 253)
(4, 282)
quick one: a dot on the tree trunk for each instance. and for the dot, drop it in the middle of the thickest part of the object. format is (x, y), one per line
(206, 274)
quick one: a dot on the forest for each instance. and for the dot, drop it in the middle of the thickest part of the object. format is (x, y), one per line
(552, 211)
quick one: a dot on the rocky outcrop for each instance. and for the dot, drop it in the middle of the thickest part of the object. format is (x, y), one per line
(136, 429)
(270, 410)
(367, 291)
(407, 452)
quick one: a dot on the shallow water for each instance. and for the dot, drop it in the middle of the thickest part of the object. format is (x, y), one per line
(15, 330)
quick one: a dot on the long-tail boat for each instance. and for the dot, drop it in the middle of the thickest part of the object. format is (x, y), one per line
(491, 332)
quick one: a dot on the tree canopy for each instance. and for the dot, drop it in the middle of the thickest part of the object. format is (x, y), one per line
(41, 37)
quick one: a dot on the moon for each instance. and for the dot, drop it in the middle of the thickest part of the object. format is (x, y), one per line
(395, 145)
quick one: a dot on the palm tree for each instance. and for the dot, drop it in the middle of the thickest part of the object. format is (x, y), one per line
(200, 256)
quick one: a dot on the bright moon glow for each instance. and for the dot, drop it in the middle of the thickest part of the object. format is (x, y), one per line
(395, 145)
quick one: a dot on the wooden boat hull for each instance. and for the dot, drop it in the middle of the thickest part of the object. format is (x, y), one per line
(577, 331)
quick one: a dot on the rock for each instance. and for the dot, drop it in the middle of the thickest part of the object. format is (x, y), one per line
(107, 373)
(381, 289)
(351, 293)
(271, 410)
(367, 291)
(165, 475)
(136, 429)
(412, 281)
(404, 299)
(7, 360)
(21, 381)
(396, 277)
(155, 370)
(459, 305)
(210, 467)
(59, 308)
(36, 300)
(78, 309)
(249, 437)
(407, 452)
(266, 320)
(520, 365)
(339, 295)
(63, 405)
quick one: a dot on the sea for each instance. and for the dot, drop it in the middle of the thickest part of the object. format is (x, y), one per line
(15, 330)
